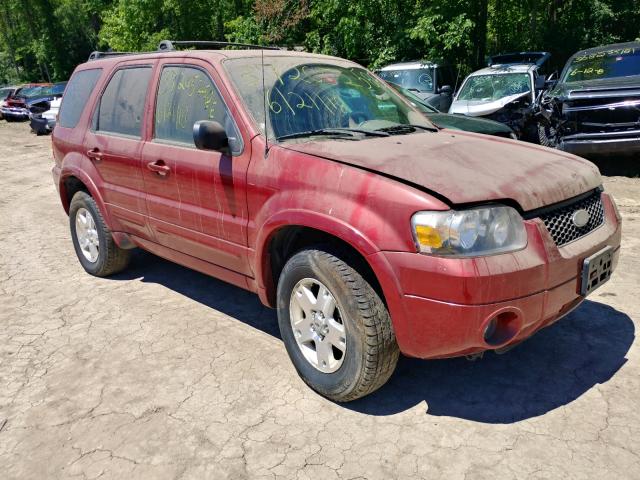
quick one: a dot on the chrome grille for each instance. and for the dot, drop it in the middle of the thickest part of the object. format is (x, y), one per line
(559, 220)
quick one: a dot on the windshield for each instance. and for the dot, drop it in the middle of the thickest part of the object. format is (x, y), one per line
(306, 94)
(58, 88)
(617, 62)
(33, 91)
(488, 88)
(417, 79)
(5, 92)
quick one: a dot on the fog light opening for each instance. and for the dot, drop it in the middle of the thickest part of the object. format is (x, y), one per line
(501, 328)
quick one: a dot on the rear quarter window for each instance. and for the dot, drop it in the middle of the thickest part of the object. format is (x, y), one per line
(78, 91)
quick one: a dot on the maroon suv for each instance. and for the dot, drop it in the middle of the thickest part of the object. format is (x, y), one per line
(307, 180)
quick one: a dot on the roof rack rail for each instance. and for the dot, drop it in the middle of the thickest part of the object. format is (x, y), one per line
(170, 45)
(167, 45)
(97, 55)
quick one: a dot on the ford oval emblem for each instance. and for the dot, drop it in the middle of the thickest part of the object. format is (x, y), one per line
(580, 218)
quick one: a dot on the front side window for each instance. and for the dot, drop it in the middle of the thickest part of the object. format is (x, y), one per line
(122, 104)
(489, 88)
(615, 62)
(187, 95)
(306, 94)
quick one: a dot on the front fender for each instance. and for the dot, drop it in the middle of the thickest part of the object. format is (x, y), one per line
(302, 218)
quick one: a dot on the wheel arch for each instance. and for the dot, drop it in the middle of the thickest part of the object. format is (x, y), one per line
(290, 232)
(75, 180)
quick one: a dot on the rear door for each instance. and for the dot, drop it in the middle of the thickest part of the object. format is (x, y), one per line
(114, 144)
(196, 199)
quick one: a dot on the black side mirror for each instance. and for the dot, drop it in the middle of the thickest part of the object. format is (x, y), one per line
(209, 135)
(541, 82)
(446, 89)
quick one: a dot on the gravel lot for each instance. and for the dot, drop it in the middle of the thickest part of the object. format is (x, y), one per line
(162, 372)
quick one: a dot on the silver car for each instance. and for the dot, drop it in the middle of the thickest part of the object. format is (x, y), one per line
(430, 81)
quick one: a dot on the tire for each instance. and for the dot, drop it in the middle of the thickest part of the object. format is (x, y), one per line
(110, 258)
(547, 135)
(369, 350)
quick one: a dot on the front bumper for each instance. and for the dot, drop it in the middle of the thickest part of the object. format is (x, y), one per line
(441, 307)
(17, 113)
(41, 125)
(585, 144)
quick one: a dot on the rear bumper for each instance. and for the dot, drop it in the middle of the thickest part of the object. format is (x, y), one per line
(602, 143)
(441, 307)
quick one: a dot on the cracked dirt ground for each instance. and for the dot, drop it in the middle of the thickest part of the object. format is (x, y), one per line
(163, 373)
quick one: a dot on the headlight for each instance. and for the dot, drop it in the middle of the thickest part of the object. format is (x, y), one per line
(469, 233)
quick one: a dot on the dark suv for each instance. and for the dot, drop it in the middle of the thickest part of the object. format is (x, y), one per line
(595, 106)
(432, 82)
(309, 181)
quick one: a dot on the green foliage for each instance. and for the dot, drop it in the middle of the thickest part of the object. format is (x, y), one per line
(45, 39)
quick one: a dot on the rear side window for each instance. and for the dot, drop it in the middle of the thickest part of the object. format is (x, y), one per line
(80, 87)
(122, 104)
(185, 96)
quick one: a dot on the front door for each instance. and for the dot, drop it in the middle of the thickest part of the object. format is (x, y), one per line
(196, 199)
(114, 145)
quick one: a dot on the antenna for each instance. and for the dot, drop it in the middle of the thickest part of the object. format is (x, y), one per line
(264, 103)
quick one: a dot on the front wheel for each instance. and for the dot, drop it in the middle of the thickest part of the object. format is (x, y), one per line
(335, 326)
(547, 135)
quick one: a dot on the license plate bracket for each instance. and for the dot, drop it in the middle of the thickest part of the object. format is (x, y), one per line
(596, 270)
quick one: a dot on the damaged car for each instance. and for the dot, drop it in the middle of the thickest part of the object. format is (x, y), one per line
(595, 106)
(5, 93)
(455, 122)
(507, 91)
(15, 107)
(32, 99)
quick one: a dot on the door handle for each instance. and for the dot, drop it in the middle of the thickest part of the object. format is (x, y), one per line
(94, 154)
(159, 167)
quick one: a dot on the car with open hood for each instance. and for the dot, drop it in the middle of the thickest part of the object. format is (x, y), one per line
(507, 91)
(34, 98)
(306, 179)
(455, 122)
(432, 82)
(594, 107)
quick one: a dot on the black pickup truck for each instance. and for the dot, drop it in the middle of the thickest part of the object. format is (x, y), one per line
(595, 106)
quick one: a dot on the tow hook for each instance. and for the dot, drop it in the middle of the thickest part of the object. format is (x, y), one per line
(474, 356)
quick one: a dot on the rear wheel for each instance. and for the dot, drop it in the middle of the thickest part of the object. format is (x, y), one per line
(97, 251)
(336, 328)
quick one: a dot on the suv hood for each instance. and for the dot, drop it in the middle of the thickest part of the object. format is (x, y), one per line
(477, 108)
(470, 124)
(465, 167)
(605, 87)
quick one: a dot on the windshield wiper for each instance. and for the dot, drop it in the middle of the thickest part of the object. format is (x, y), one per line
(404, 128)
(333, 131)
